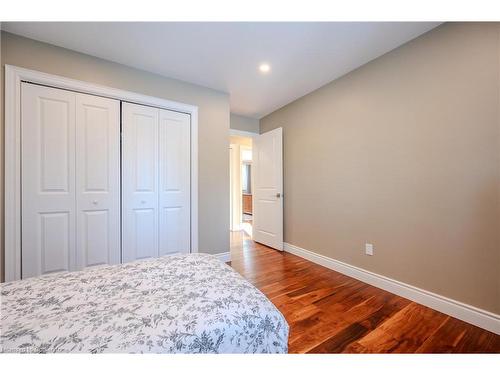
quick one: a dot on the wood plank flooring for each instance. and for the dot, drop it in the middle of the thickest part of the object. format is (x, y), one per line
(332, 313)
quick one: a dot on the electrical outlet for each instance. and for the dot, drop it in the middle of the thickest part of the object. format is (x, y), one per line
(369, 249)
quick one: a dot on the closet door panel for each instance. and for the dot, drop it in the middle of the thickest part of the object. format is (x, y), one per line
(174, 192)
(145, 233)
(54, 228)
(97, 180)
(96, 238)
(139, 182)
(48, 180)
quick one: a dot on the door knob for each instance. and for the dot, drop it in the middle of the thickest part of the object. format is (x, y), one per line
(278, 195)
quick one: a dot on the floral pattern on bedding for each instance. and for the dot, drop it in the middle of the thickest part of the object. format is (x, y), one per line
(175, 304)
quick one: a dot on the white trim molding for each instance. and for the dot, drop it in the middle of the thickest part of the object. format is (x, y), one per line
(224, 257)
(235, 187)
(14, 76)
(470, 314)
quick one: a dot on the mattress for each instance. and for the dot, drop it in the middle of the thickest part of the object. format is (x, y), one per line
(175, 304)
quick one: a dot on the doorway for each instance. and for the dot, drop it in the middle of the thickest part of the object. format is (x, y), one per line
(241, 182)
(256, 186)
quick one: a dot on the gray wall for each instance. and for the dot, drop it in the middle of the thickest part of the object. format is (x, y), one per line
(244, 123)
(404, 153)
(213, 120)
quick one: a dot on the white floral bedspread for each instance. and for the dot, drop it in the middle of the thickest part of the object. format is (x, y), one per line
(176, 304)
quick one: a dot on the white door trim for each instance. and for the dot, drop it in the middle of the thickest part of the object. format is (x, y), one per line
(235, 187)
(13, 77)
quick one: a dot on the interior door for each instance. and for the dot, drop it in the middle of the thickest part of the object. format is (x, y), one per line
(97, 180)
(175, 183)
(48, 180)
(268, 188)
(139, 182)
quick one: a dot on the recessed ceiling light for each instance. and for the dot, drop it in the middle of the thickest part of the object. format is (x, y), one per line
(264, 68)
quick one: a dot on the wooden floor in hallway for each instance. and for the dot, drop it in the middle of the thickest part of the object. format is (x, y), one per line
(332, 313)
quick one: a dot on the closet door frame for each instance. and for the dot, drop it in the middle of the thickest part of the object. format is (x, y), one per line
(12, 195)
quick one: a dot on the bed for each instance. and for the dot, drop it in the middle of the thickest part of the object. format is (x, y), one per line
(175, 304)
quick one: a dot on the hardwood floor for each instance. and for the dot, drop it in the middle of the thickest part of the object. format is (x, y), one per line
(332, 313)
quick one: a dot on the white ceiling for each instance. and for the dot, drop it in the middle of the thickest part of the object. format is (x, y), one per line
(226, 56)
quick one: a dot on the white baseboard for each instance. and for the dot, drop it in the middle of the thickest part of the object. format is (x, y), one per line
(224, 257)
(470, 314)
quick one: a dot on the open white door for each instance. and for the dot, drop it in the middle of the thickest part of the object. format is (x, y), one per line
(268, 188)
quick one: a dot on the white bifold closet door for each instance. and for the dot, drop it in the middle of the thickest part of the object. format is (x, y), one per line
(70, 180)
(155, 182)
